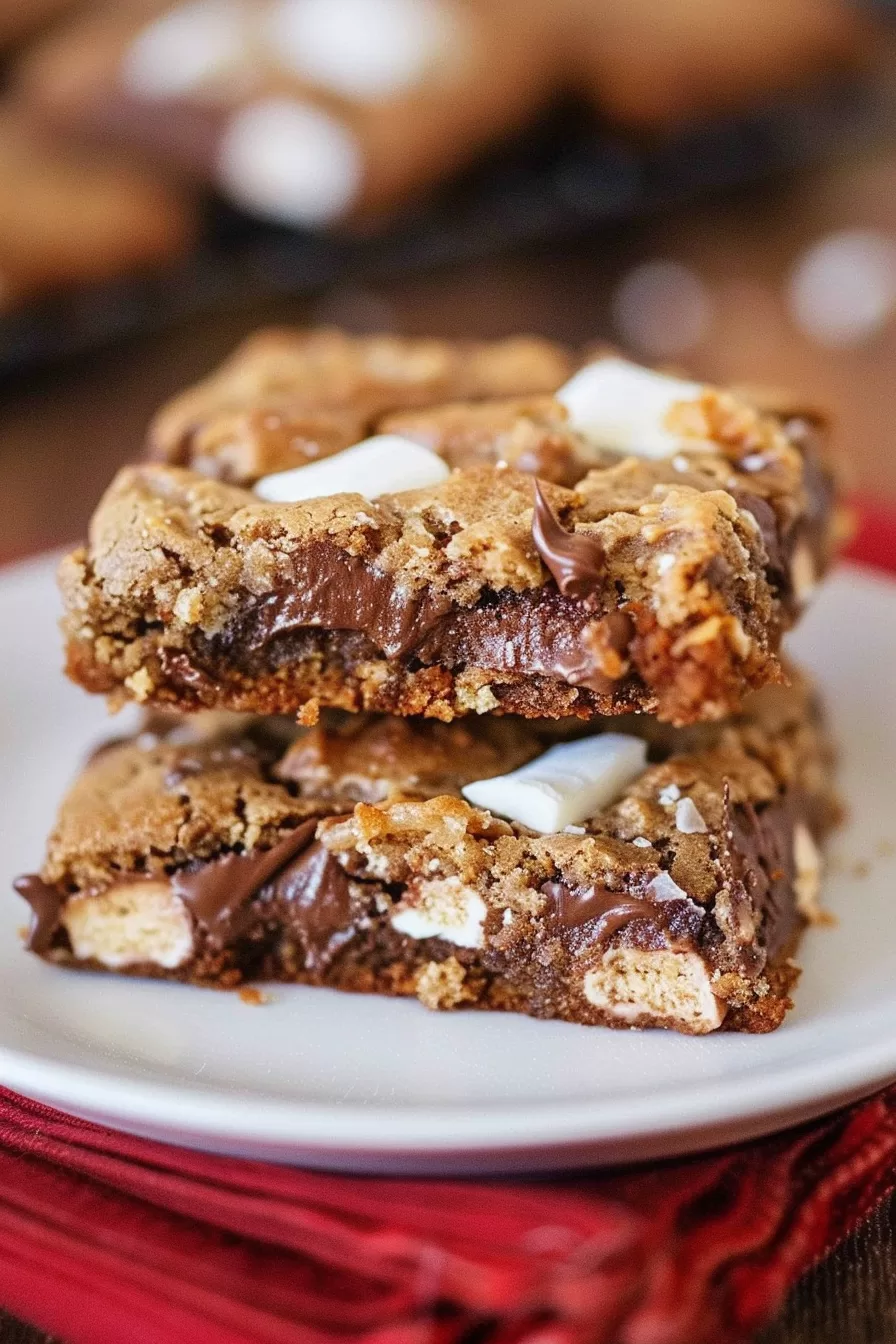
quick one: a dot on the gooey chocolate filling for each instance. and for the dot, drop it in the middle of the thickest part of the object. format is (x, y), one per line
(594, 914)
(539, 632)
(299, 886)
(562, 630)
(297, 880)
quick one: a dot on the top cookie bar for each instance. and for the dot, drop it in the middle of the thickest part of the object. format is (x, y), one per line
(286, 398)
(672, 535)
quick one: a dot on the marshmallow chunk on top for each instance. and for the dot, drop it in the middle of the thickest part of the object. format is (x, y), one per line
(623, 407)
(565, 785)
(377, 466)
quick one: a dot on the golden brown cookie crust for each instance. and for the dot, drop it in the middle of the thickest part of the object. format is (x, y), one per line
(417, 892)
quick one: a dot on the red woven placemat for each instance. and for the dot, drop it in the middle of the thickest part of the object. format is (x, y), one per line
(108, 1239)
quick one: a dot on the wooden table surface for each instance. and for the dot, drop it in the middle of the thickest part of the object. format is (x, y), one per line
(63, 432)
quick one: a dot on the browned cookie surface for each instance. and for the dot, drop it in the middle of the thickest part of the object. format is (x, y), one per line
(349, 857)
(287, 397)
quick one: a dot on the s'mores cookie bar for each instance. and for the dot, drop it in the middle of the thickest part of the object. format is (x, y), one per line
(672, 533)
(635, 876)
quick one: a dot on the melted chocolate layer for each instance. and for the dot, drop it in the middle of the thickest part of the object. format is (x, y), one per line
(218, 892)
(337, 591)
(533, 634)
(576, 560)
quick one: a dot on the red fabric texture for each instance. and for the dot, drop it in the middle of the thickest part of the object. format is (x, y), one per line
(109, 1239)
(874, 540)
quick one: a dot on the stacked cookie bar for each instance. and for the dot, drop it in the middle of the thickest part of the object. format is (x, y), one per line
(462, 676)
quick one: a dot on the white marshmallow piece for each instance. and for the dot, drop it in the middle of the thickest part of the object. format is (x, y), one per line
(360, 49)
(688, 819)
(623, 407)
(290, 162)
(569, 783)
(665, 888)
(378, 466)
(184, 49)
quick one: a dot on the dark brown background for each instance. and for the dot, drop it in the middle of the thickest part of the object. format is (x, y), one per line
(63, 432)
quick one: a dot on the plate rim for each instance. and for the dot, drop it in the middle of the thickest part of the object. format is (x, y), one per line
(325, 1127)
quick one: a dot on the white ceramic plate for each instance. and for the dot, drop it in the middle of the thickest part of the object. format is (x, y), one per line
(377, 1085)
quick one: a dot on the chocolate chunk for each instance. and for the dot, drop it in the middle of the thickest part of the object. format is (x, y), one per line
(758, 861)
(46, 903)
(575, 560)
(338, 591)
(674, 923)
(217, 893)
(611, 910)
(316, 903)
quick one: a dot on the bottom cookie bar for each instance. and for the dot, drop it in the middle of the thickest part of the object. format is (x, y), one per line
(671, 892)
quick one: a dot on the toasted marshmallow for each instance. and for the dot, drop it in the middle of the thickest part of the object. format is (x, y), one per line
(566, 784)
(378, 466)
(624, 407)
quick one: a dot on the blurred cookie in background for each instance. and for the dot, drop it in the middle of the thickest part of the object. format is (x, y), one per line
(75, 216)
(311, 112)
(650, 65)
(303, 112)
(19, 19)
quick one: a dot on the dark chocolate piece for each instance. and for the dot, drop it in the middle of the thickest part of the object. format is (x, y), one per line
(608, 912)
(541, 634)
(46, 902)
(576, 561)
(758, 857)
(314, 892)
(216, 893)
